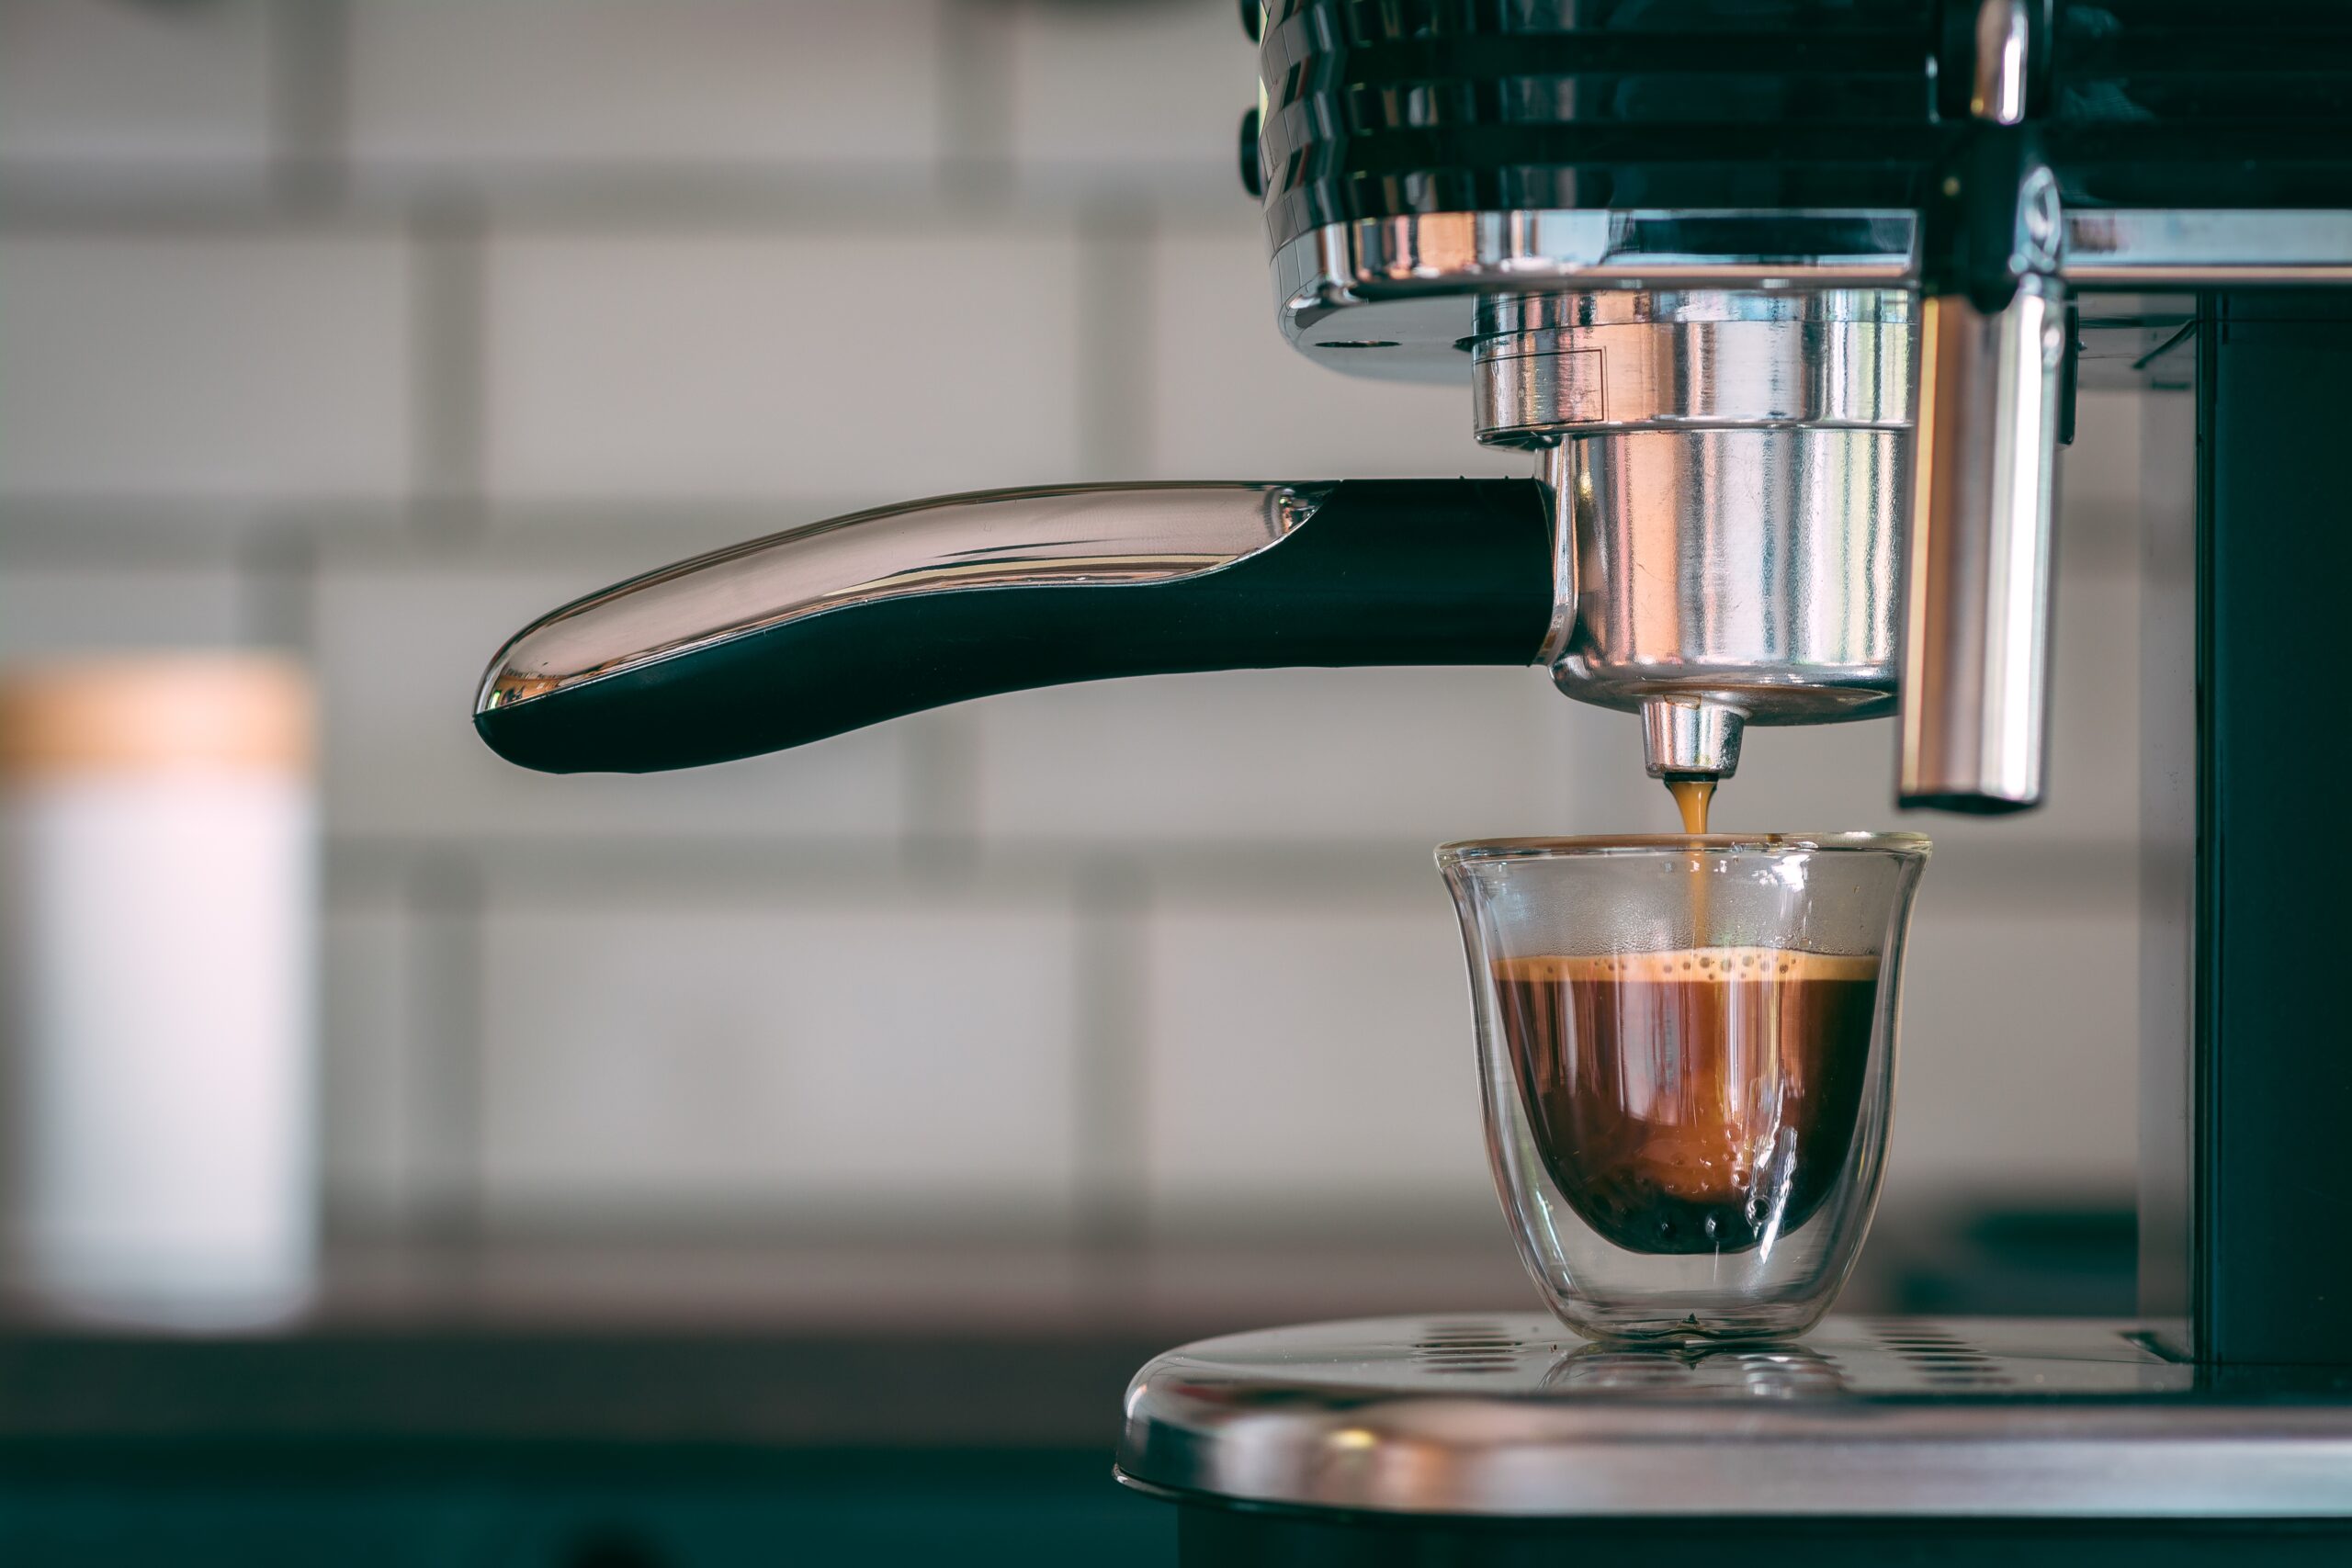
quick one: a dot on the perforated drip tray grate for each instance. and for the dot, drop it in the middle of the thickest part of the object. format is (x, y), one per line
(1518, 1354)
(1943, 1360)
(1472, 1345)
(1509, 1414)
(1877, 1359)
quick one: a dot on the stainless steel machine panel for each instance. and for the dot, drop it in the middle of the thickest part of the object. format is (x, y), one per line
(1507, 1415)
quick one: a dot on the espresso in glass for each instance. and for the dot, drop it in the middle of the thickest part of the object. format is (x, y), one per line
(1686, 1057)
(1695, 1100)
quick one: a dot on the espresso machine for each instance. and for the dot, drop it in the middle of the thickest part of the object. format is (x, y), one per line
(1786, 301)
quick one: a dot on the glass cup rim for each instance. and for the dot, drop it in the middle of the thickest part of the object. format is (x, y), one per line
(1905, 844)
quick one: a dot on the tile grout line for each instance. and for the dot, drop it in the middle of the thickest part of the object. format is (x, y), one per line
(973, 164)
(444, 897)
(1117, 289)
(1111, 1003)
(449, 370)
(309, 110)
(968, 188)
(941, 803)
(278, 587)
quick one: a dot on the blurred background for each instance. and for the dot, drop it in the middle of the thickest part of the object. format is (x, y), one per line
(1101, 1017)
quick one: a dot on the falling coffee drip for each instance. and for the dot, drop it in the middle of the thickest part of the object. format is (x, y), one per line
(1691, 1101)
(1692, 794)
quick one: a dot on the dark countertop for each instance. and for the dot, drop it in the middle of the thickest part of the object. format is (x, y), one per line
(752, 1342)
(1026, 1345)
(594, 1404)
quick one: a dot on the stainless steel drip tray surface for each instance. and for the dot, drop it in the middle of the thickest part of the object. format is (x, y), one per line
(1510, 1415)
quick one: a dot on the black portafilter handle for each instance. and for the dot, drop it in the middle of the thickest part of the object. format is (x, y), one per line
(849, 621)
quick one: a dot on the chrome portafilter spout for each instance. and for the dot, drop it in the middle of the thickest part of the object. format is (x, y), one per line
(1727, 471)
(1690, 737)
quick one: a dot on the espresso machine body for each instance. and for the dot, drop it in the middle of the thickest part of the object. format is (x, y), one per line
(1786, 301)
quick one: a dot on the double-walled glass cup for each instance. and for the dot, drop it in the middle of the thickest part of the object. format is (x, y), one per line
(1688, 1052)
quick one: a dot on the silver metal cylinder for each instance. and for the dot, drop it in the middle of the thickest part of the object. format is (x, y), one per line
(1757, 568)
(1690, 737)
(1730, 471)
(1549, 365)
(1974, 717)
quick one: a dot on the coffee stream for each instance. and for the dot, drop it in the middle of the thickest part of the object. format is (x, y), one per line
(1692, 796)
(1694, 1100)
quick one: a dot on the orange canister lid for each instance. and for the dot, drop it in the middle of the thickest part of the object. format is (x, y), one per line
(151, 712)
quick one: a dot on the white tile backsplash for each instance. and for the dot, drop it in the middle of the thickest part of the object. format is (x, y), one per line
(1312, 1056)
(1411, 756)
(105, 83)
(762, 259)
(2020, 1068)
(202, 366)
(844, 363)
(1231, 399)
(373, 1060)
(1101, 92)
(796, 1061)
(723, 82)
(401, 652)
(56, 610)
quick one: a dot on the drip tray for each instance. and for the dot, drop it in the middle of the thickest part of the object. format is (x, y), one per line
(1510, 1415)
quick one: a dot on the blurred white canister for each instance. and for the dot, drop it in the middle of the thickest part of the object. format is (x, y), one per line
(158, 931)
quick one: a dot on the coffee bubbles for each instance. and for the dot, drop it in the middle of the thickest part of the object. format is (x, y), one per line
(1691, 1101)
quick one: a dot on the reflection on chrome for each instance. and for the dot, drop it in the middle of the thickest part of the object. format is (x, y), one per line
(1761, 1371)
(1063, 534)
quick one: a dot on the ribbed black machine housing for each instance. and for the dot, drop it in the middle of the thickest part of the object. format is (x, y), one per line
(1383, 108)
(2227, 122)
